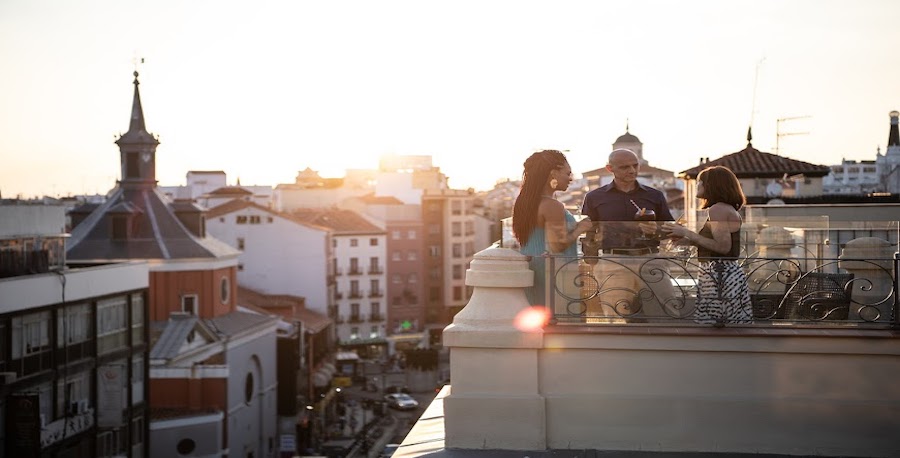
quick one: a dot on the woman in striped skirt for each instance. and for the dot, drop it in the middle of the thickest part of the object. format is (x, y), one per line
(723, 296)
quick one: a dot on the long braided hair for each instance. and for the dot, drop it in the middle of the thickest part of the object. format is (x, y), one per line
(534, 178)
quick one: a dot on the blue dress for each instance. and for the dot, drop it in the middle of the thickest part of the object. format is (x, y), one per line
(536, 246)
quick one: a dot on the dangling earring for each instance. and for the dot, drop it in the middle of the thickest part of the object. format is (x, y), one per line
(554, 183)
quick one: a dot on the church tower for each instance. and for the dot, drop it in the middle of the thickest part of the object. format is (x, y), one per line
(629, 141)
(137, 149)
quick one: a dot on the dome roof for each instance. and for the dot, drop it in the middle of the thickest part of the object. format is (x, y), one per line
(628, 138)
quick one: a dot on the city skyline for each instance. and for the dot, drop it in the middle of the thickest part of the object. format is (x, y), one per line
(264, 90)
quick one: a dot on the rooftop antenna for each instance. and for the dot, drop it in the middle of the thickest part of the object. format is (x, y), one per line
(779, 133)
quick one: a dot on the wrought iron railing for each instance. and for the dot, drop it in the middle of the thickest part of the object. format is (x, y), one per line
(677, 288)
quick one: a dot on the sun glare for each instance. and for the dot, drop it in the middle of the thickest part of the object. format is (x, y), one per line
(532, 318)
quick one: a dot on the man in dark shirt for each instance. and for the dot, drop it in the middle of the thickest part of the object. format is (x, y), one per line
(617, 202)
(613, 207)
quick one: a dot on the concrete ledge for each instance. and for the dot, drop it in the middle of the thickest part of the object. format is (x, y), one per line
(488, 422)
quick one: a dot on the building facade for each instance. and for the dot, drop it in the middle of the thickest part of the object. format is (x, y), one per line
(280, 254)
(73, 345)
(212, 367)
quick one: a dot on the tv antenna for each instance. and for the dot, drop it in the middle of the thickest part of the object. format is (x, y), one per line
(779, 133)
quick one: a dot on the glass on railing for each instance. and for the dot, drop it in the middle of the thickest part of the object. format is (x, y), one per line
(786, 272)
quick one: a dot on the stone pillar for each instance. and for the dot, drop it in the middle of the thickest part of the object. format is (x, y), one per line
(870, 260)
(494, 401)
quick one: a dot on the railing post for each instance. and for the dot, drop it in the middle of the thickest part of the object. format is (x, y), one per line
(895, 319)
(494, 401)
(869, 260)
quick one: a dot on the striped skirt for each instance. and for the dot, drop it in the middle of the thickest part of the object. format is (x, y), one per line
(723, 295)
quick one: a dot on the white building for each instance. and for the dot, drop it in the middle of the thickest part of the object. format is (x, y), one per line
(864, 177)
(360, 254)
(279, 254)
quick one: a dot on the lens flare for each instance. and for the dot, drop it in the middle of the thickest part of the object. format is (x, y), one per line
(532, 319)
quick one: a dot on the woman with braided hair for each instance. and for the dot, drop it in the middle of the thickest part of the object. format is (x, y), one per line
(540, 222)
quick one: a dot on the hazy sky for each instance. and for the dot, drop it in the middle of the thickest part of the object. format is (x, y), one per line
(263, 89)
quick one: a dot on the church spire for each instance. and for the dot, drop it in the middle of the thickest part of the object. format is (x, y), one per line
(750, 137)
(894, 134)
(137, 147)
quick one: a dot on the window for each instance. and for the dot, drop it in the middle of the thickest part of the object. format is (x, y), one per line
(131, 165)
(457, 293)
(241, 219)
(72, 394)
(222, 219)
(240, 243)
(354, 242)
(396, 255)
(434, 229)
(456, 229)
(137, 318)
(248, 388)
(373, 242)
(434, 251)
(373, 266)
(354, 311)
(396, 279)
(354, 266)
(412, 255)
(435, 273)
(119, 227)
(137, 379)
(354, 333)
(374, 287)
(413, 278)
(73, 325)
(31, 334)
(334, 243)
(112, 324)
(354, 288)
(395, 235)
(434, 294)
(255, 219)
(374, 309)
(224, 290)
(411, 234)
(457, 272)
(456, 207)
(457, 250)
(189, 304)
(269, 219)
(373, 333)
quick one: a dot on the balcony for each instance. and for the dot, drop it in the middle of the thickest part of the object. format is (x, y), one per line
(355, 319)
(376, 293)
(354, 271)
(338, 295)
(355, 295)
(613, 368)
(376, 318)
(338, 271)
(376, 270)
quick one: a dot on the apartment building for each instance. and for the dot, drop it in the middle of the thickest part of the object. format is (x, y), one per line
(360, 252)
(73, 345)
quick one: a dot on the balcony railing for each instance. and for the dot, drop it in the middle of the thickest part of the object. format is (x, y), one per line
(794, 275)
(355, 295)
(354, 271)
(679, 288)
(355, 319)
(376, 317)
(376, 293)
(796, 380)
(376, 270)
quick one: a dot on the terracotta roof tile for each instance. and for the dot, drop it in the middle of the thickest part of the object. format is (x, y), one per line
(342, 222)
(291, 308)
(752, 163)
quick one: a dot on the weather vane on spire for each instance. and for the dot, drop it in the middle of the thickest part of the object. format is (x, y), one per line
(137, 62)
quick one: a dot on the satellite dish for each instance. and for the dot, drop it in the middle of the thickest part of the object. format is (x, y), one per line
(774, 189)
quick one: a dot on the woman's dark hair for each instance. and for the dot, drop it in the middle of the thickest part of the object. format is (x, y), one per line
(721, 185)
(534, 178)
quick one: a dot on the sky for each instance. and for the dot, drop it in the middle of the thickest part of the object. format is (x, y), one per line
(264, 89)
